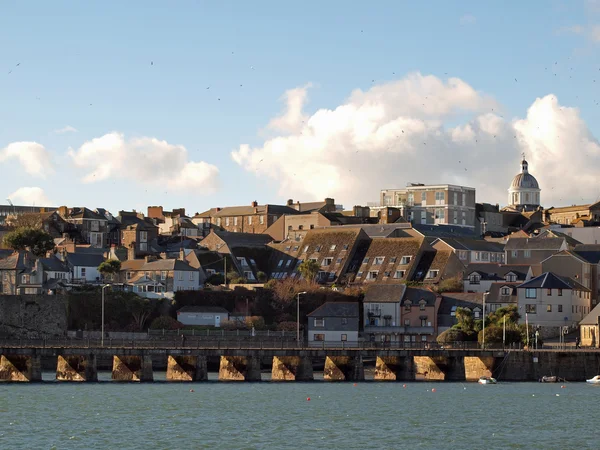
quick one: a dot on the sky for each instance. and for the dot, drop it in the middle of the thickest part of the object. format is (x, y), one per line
(202, 104)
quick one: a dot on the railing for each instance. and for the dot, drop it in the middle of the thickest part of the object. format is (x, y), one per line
(221, 333)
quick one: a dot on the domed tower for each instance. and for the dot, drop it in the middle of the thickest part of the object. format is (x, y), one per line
(524, 191)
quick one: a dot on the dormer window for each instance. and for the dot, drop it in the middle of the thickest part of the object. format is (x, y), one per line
(379, 260)
(318, 248)
(422, 305)
(505, 291)
(474, 278)
(405, 260)
(510, 277)
(407, 305)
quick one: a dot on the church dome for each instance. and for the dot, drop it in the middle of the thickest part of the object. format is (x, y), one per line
(524, 181)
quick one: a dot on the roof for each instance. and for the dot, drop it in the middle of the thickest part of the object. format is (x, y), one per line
(557, 234)
(524, 181)
(202, 309)
(82, 259)
(548, 280)
(591, 253)
(592, 317)
(16, 261)
(443, 230)
(385, 293)
(381, 230)
(53, 264)
(336, 309)
(572, 208)
(478, 245)
(251, 210)
(415, 295)
(496, 296)
(158, 264)
(243, 239)
(554, 244)
(490, 271)
(452, 300)
(84, 213)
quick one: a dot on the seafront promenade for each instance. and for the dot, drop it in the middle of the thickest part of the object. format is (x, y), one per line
(77, 360)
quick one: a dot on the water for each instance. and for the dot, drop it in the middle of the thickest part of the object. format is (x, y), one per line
(161, 415)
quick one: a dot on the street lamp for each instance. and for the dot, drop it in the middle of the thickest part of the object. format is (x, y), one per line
(485, 295)
(102, 338)
(298, 317)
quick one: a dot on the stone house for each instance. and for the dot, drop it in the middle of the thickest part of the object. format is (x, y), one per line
(15, 273)
(480, 277)
(551, 301)
(419, 315)
(92, 226)
(501, 295)
(83, 265)
(334, 324)
(567, 215)
(532, 251)
(589, 331)
(137, 238)
(572, 265)
(451, 301)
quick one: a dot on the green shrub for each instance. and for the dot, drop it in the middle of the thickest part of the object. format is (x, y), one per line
(451, 335)
(493, 335)
(165, 323)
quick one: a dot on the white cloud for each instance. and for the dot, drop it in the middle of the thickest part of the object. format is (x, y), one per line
(146, 160)
(572, 29)
(34, 157)
(29, 196)
(468, 19)
(292, 118)
(422, 129)
(67, 129)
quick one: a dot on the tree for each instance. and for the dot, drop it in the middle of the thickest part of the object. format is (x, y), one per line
(451, 335)
(215, 279)
(464, 316)
(511, 313)
(309, 269)
(28, 220)
(109, 268)
(141, 309)
(262, 277)
(38, 241)
(165, 323)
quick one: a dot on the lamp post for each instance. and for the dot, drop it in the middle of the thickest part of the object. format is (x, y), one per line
(485, 295)
(298, 317)
(102, 330)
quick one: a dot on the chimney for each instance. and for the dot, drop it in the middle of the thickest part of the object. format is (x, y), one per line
(63, 211)
(131, 251)
(218, 209)
(290, 202)
(181, 254)
(163, 255)
(254, 203)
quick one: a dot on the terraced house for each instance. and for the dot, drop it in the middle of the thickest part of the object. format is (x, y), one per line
(92, 226)
(481, 277)
(472, 250)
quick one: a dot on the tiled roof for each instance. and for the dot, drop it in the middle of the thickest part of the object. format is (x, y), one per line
(549, 280)
(478, 245)
(459, 299)
(415, 295)
(448, 231)
(53, 264)
(496, 295)
(251, 210)
(336, 309)
(490, 271)
(81, 259)
(392, 250)
(159, 264)
(243, 239)
(591, 253)
(534, 244)
(385, 293)
(85, 213)
(592, 317)
(13, 262)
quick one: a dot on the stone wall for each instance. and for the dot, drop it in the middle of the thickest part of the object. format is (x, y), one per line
(32, 316)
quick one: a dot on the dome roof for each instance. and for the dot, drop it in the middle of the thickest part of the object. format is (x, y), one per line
(524, 181)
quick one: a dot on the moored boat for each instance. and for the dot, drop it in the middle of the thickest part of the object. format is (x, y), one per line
(547, 379)
(487, 380)
(595, 380)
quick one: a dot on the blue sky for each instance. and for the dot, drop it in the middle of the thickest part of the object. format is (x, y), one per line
(210, 76)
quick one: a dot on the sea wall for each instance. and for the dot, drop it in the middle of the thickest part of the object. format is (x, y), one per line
(32, 316)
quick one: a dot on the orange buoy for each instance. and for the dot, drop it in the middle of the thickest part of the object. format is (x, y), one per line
(308, 399)
(433, 390)
(354, 384)
(191, 390)
(403, 385)
(563, 386)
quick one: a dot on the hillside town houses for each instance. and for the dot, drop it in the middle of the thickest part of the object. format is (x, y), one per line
(417, 255)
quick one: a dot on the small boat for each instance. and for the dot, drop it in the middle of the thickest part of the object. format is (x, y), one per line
(487, 380)
(595, 380)
(546, 379)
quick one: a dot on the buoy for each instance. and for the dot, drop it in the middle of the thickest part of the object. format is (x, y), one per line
(354, 384)
(558, 395)
(191, 390)
(563, 386)
(403, 385)
(433, 390)
(308, 399)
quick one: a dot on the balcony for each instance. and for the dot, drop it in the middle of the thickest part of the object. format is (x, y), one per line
(419, 330)
(384, 329)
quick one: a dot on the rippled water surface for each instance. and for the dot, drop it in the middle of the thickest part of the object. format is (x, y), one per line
(161, 415)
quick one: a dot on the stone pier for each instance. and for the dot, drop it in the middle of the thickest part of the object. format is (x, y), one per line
(76, 368)
(187, 368)
(20, 368)
(132, 368)
(478, 366)
(239, 368)
(344, 368)
(292, 368)
(394, 368)
(427, 368)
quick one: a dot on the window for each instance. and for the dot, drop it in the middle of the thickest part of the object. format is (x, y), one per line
(82, 271)
(318, 248)
(249, 220)
(359, 274)
(399, 273)
(379, 260)
(180, 276)
(549, 292)
(474, 278)
(530, 309)
(423, 322)
(288, 263)
(405, 260)
(433, 273)
(326, 261)
(332, 248)
(191, 276)
(424, 196)
(226, 221)
(365, 261)
(143, 236)
(319, 337)
(143, 246)
(386, 274)
(527, 253)
(464, 200)
(25, 279)
(248, 275)
(300, 227)
(505, 291)
(439, 198)
(515, 253)
(424, 338)
(344, 337)
(280, 263)
(407, 305)
(235, 221)
(559, 308)
(392, 259)
(422, 304)
(463, 254)
(345, 247)
(560, 292)
(511, 277)
(296, 248)
(549, 308)
(338, 261)
(407, 322)
(530, 293)
(287, 249)
(163, 275)
(455, 201)
(218, 221)
(305, 249)
(423, 217)
(261, 219)
(344, 321)
(319, 322)
(453, 311)
(373, 274)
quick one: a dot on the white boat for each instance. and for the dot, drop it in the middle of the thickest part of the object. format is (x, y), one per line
(487, 380)
(595, 380)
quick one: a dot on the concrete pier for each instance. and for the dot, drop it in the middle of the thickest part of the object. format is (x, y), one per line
(344, 368)
(427, 368)
(292, 368)
(132, 368)
(394, 368)
(76, 368)
(186, 368)
(20, 368)
(476, 367)
(239, 368)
